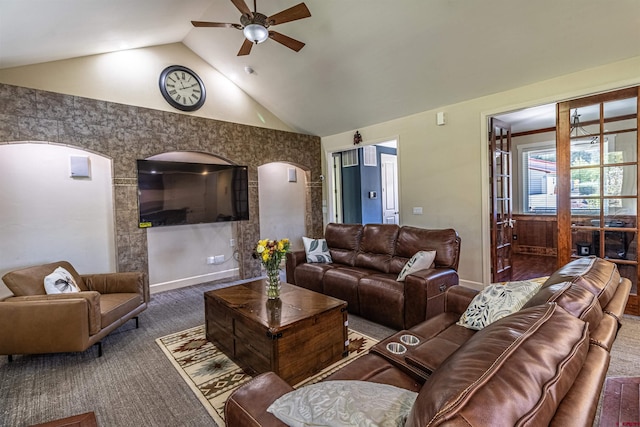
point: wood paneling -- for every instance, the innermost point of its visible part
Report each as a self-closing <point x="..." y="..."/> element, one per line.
<point x="536" y="235"/>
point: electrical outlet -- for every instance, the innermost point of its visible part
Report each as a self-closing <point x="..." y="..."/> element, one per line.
<point x="218" y="259"/>
<point x="232" y="242"/>
<point x="211" y="260"/>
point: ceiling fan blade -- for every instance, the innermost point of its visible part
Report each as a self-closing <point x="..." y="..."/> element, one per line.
<point x="215" y="24"/>
<point x="242" y="7"/>
<point x="296" y="12"/>
<point x="245" y="49"/>
<point x="286" y="40"/>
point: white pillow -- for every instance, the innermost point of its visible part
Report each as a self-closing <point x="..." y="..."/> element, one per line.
<point x="344" y="403"/>
<point x="497" y="301"/>
<point x="316" y="250"/>
<point x="419" y="261"/>
<point x="60" y="282"/>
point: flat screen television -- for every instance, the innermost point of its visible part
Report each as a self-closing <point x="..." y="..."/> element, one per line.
<point x="175" y="193"/>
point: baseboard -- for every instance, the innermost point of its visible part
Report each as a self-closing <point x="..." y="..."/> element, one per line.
<point x="195" y="280"/>
<point x="473" y="285"/>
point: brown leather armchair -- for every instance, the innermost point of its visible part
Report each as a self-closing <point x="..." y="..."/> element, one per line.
<point x="33" y="322"/>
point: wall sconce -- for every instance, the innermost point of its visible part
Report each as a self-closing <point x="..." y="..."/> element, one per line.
<point x="357" y="138"/>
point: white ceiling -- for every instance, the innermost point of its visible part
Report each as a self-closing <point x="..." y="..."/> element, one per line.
<point x="365" y="61"/>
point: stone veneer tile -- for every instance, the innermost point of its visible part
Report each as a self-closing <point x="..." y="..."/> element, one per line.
<point x="9" y="127"/>
<point x="120" y="116"/>
<point x="55" y="106"/>
<point x="18" y="101"/>
<point x="90" y="111"/>
<point x="34" y="129"/>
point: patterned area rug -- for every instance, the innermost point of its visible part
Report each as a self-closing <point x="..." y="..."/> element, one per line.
<point x="213" y="376"/>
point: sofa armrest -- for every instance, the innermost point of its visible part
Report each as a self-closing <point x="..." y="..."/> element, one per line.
<point x="116" y="283"/>
<point x="294" y="259"/>
<point x="247" y="405"/>
<point x="43" y="325"/>
<point x="458" y="298"/>
<point x="422" y="286"/>
<point x="92" y="299"/>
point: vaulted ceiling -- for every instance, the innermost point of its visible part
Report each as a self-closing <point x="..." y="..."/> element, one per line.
<point x="365" y="61"/>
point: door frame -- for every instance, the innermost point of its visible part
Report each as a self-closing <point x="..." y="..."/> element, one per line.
<point x="330" y="181"/>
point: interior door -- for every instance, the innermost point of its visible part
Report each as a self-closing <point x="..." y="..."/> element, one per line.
<point x="389" y="175"/>
<point x="598" y="182"/>
<point x="502" y="221"/>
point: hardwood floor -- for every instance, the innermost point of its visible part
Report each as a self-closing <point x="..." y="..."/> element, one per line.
<point x="532" y="266"/>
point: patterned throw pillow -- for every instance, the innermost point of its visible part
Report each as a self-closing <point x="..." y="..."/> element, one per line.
<point x="316" y="250"/>
<point x="497" y="301"/>
<point x="60" y="282"/>
<point x="419" y="261"/>
<point x="344" y="403"/>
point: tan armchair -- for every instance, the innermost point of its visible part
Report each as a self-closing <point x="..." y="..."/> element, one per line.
<point x="33" y="322"/>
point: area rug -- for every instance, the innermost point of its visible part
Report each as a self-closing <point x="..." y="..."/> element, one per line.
<point x="213" y="376"/>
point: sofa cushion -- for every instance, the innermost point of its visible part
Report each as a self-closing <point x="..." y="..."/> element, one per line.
<point x="60" y="282"/>
<point x="599" y="276"/>
<point x="377" y="246"/>
<point x="526" y="361"/>
<point x="420" y="261"/>
<point x="497" y="301"/>
<point x="342" y="282"/>
<point x="382" y="300"/>
<point x="344" y="403"/>
<point x="343" y="241"/>
<point x="410" y="240"/>
<point x="310" y="275"/>
<point x="30" y="280"/>
<point x="316" y="250"/>
<point x="115" y="306"/>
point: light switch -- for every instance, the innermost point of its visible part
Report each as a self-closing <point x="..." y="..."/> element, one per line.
<point x="417" y="210"/>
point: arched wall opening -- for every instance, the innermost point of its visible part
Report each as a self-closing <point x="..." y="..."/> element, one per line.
<point x="48" y="215"/>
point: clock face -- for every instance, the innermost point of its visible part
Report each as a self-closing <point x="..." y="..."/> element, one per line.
<point x="182" y="88"/>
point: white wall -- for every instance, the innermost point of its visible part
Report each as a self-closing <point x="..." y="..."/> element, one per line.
<point x="178" y="254"/>
<point x="282" y="203"/>
<point x="444" y="169"/>
<point x="47" y="216"/>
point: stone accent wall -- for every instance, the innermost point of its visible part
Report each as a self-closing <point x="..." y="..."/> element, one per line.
<point x="126" y="133"/>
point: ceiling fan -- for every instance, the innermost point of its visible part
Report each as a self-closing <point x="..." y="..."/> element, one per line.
<point x="255" y="25"/>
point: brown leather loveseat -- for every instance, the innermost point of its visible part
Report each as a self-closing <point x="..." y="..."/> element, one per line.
<point x="366" y="263"/>
<point x="542" y="365"/>
<point x="33" y="322"/>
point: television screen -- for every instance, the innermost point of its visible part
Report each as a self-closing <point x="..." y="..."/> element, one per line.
<point x="174" y="193"/>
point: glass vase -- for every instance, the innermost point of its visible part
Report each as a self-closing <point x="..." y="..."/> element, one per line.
<point x="273" y="283"/>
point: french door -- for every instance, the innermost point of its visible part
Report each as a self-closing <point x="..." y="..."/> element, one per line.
<point x="597" y="163"/>
<point x="501" y="201"/>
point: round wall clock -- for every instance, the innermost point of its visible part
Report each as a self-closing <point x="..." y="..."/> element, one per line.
<point x="182" y="88"/>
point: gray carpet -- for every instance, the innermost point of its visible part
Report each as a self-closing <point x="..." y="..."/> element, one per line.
<point x="133" y="383"/>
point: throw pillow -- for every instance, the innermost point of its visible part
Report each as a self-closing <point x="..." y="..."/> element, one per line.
<point x="497" y="301"/>
<point x="316" y="250"/>
<point x="60" y="282"/>
<point x="344" y="403"/>
<point x="420" y="261"/>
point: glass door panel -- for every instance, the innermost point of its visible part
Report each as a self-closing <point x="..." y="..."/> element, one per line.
<point x="598" y="139"/>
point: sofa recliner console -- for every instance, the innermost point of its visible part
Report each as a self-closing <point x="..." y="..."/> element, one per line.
<point x="366" y="263"/>
<point x="542" y="365"/>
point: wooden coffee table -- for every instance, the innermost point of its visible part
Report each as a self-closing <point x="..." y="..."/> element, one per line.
<point x="295" y="336"/>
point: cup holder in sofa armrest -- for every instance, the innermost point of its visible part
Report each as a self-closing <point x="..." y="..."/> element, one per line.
<point x="429" y="355"/>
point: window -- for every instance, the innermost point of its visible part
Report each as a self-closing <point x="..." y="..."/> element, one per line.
<point x="539" y="180"/>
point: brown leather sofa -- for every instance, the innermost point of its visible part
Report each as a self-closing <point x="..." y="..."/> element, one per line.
<point x="542" y="365"/>
<point x="366" y="263"/>
<point x="33" y="322"/>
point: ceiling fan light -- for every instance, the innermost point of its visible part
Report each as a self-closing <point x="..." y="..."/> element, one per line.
<point x="255" y="33"/>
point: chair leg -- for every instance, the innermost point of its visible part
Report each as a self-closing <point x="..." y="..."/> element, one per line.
<point x="137" y="323"/>
<point x="99" y="344"/>
<point x="10" y="357"/>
